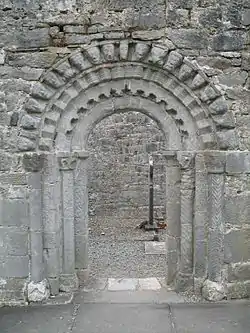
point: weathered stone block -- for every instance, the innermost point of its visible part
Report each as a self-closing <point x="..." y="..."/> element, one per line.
<point x="183" y="282"/>
<point x="213" y="291"/>
<point x="239" y="272"/>
<point x="187" y="4"/>
<point x="228" y="139"/>
<point x="237" y="162"/>
<point x="188" y="38"/>
<point x="200" y="258"/>
<point x="15" y="213"/>
<point x="237" y="244"/>
<point x="25" y="144"/>
<point x="12" y="284"/>
<point x="117" y="5"/>
<point x="16" y="178"/>
<point x="5" y="161"/>
<point x="237" y="209"/>
<point x="75" y="29"/>
<point x="148" y="35"/>
<point x="2" y="57"/>
<point x="68" y="282"/>
<point x="229" y="41"/>
<point x="147" y="20"/>
<point x="246" y="17"/>
<point x="31" y="39"/>
<point x="211" y="17"/>
<point x="178" y="18"/>
<point x="29" y="122"/>
<point x="33" y="162"/>
<point x="14" y="119"/>
<point x="32" y="59"/>
<point x="17" y="243"/>
<point x="54" y="286"/>
<point x="236" y="78"/>
<point x="38" y="292"/>
<point x="238" y="290"/>
<point x="245" y="61"/>
<point x="13" y="297"/>
<point x="78" y="39"/>
<point x="26" y="73"/>
<point x="52" y="262"/>
<point x="14" y="266"/>
<point x="122" y="284"/>
<point x="215" y="161"/>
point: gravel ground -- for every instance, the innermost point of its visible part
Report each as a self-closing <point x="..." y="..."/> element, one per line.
<point x="117" y="249"/>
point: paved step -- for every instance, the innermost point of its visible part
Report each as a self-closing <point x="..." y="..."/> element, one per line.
<point x="125" y="284"/>
<point x="128" y="290"/>
<point x="131" y="297"/>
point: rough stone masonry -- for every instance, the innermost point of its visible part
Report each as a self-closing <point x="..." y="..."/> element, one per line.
<point x="69" y="66"/>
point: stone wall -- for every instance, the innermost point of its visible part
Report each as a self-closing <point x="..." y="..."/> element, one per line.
<point x="120" y="147"/>
<point x="35" y="36"/>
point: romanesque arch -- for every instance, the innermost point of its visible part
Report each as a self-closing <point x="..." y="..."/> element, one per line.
<point x="147" y="69"/>
<point x="93" y="83"/>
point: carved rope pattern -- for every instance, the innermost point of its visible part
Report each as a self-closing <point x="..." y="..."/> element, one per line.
<point x="215" y="255"/>
<point x="187" y="199"/>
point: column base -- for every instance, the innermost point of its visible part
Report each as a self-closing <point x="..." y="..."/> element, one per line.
<point x="184" y="282"/>
<point x="83" y="275"/>
<point x="68" y="282"/>
<point x="38" y="291"/>
<point x="213" y="291"/>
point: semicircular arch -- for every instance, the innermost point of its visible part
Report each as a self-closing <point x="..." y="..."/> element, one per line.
<point x="152" y="64"/>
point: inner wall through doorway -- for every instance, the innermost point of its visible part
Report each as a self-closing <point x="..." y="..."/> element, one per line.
<point x="119" y="148"/>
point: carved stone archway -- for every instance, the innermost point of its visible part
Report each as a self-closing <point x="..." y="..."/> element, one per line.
<point x="93" y="83"/>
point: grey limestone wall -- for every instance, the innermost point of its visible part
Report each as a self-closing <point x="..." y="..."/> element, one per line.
<point x="36" y="35"/>
<point x="120" y="147"/>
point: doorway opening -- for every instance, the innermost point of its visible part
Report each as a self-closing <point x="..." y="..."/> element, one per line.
<point x="118" y="190"/>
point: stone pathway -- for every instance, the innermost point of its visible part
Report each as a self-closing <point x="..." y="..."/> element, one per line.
<point x="131" y="255"/>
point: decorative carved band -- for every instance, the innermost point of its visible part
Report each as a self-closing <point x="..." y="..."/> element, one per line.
<point x="68" y="160"/>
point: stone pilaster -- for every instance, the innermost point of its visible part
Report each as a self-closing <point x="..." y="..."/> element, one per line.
<point x="33" y="164"/>
<point x="52" y="221"/>
<point x="81" y="215"/>
<point x="67" y="165"/>
<point x="186" y="160"/>
<point x="172" y="214"/>
<point x="201" y="218"/>
<point x="215" y="164"/>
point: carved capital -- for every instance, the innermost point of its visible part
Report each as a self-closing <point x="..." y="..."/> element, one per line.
<point x="67" y="163"/>
<point x="171" y="158"/>
<point x="186" y="159"/>
<point x="68" y="160"/>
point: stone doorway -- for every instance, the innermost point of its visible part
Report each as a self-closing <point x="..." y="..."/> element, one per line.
<point x="119" y="148"/>
<point x="116" y="77"/>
